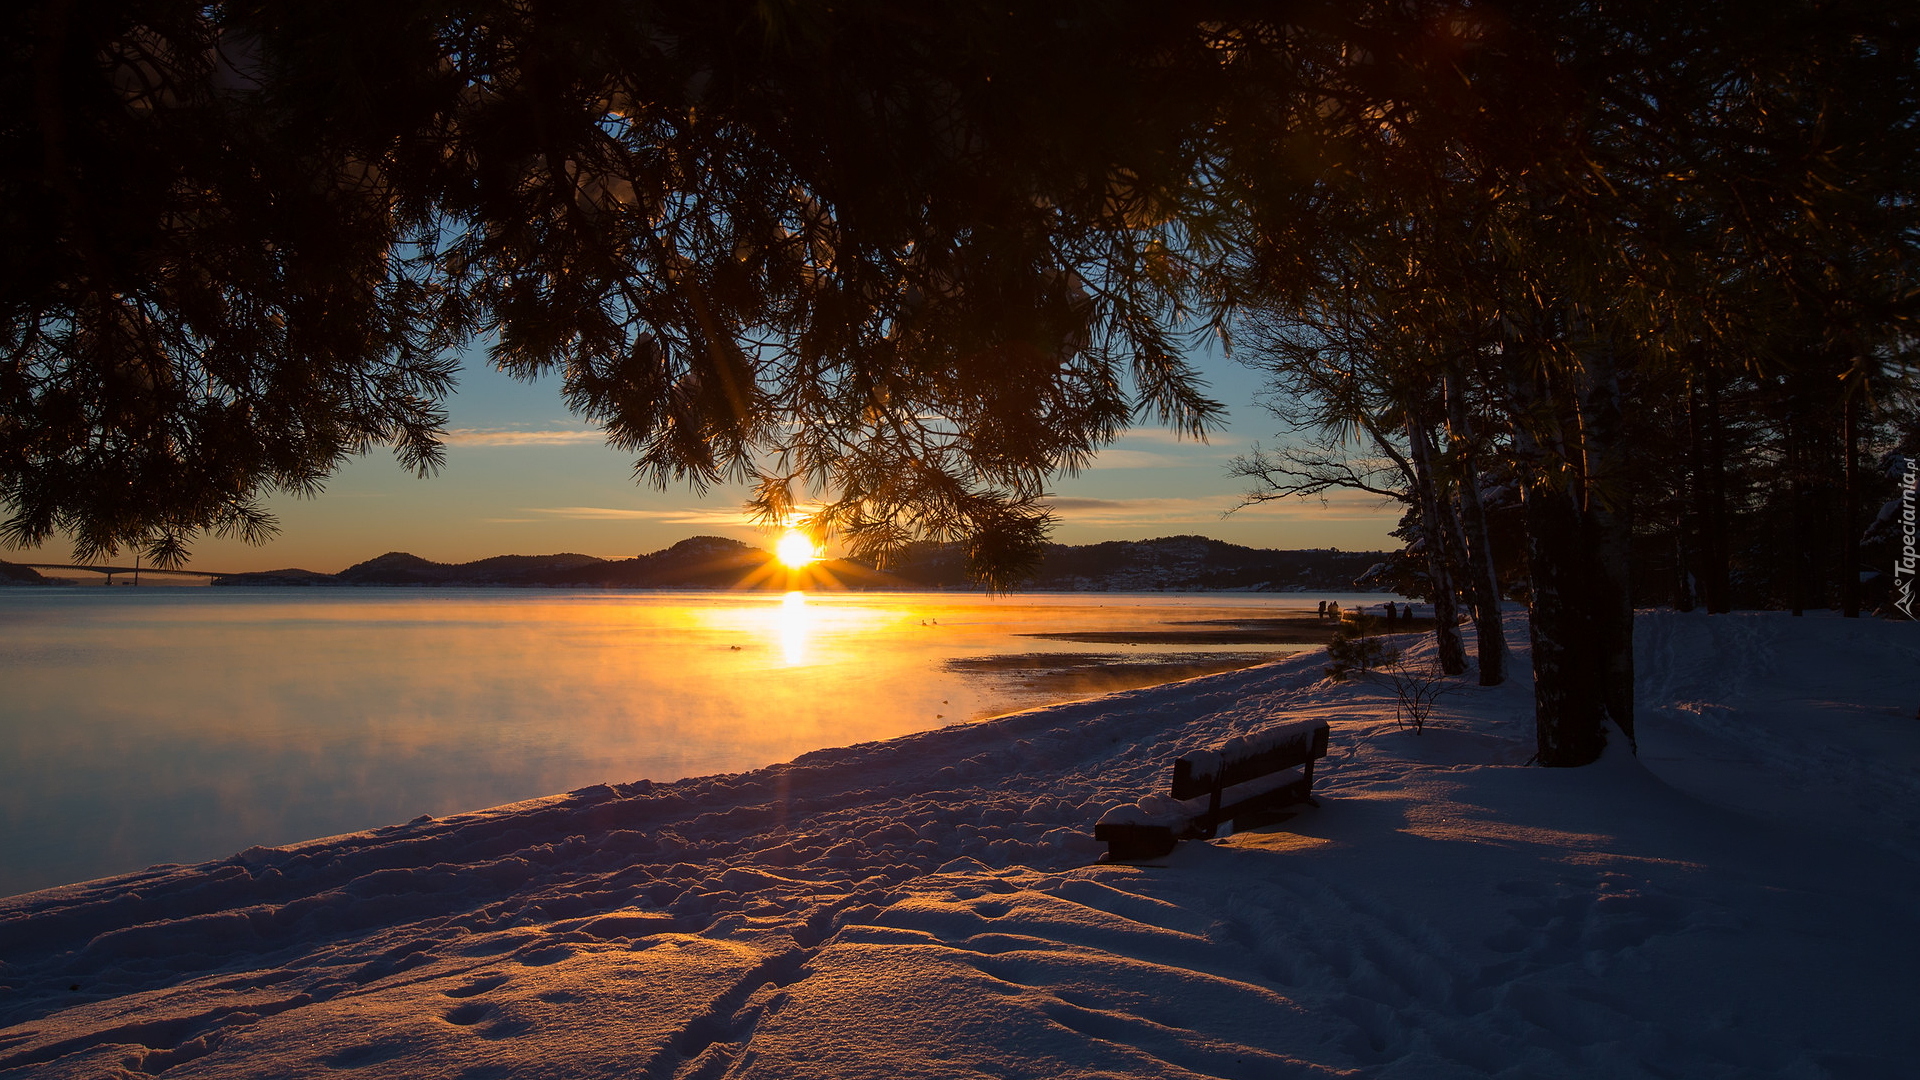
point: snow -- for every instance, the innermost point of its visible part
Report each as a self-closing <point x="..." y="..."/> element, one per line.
<point x="1204" y="765"/>
<point x="1735" y="901"/>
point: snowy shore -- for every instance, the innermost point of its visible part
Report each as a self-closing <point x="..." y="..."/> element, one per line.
<point x="1736" y="901"/>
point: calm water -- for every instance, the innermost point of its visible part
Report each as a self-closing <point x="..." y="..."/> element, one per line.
<point x="140" y="726"/>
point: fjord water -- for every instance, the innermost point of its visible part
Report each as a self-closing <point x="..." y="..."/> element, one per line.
<point x="140" y="726"/>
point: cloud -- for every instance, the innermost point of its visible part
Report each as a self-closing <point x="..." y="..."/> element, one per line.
<point x="1162" y="435"/>
<point x="1160" y="448"/>
<point x="680" y="516"/>
<point x="1148" y="459"/>
<point x="494" y="437"/>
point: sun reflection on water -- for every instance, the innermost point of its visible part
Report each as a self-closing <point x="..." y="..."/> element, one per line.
<point x="183" y="724"/>
<point x="796" y="620"/>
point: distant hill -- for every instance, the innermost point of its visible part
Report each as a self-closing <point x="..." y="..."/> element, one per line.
<point x="400" y="568"/>
<point x="1170" y="564"/>
<point x="700" y="562"/>
<point x="715" y="562"/>
<point x="15" y="574"/>
<point x="278" y="577"/>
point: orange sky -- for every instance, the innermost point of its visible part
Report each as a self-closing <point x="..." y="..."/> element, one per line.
<point x="525" y="477"/>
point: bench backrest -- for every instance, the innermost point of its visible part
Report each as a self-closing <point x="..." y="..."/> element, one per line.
<point x="1249" y="757"/>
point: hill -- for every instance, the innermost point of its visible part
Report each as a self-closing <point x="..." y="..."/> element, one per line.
<point x="15" y="574"/>
<point x="1166" y="564"/>
<point x="400" y="568"/>
<point x="715" y="562"/>
<point x="700" y="562"/>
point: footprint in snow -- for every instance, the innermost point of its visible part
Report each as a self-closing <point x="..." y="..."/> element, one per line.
<point x="478" y="985"/>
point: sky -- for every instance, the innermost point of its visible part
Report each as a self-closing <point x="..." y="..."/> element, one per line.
<point x="525" y="477"/>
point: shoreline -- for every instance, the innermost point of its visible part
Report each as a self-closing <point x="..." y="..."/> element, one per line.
<point x="931" y="905"/>
<point x="486" y="698"/>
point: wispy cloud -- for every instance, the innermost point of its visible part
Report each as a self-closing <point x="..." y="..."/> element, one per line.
<point x="681" y="516"/>
<point x="502" y="437"/>
<point x="1153" y="459"/>
<point x="1161" y="435"/>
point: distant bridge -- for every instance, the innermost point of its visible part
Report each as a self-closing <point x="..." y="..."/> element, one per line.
<point x="136" y="571"/>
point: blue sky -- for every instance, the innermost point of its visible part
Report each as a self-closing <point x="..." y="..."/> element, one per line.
<point x="523" y="476"/>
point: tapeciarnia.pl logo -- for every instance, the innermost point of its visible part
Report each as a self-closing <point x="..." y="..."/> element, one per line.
<point x="1903" y="564"/>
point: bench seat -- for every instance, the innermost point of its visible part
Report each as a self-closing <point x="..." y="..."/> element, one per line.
<point x="1256" y="764"/>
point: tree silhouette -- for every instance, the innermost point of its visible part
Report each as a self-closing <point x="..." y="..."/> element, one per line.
<point x="904" y="263"/>
<point x="893" y="267"/>
<point x="1582" y="215"/>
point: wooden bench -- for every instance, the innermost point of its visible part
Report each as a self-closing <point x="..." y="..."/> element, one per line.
<point x="1295" y="745"/>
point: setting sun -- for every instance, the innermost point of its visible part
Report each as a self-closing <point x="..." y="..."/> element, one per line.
<point x="796" y="550"/>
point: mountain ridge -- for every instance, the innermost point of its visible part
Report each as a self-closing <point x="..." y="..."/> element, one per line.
<point x="1185" y="563"/>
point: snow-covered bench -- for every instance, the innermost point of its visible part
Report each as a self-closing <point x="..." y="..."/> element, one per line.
<point x="1245" y="781"/>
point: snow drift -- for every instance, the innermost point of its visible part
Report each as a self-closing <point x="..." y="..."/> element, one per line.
<point x="1735" y="901"/>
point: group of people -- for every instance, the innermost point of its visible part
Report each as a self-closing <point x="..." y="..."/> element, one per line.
<point x="1330" y="612"/>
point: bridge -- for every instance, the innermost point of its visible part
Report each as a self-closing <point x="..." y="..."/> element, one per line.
<point x="136" y="570"/>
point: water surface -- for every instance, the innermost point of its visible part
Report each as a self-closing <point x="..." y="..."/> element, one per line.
<point x="177" y="725"/>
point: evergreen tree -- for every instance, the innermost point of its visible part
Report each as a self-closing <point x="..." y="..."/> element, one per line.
<point x="907" y="266"/>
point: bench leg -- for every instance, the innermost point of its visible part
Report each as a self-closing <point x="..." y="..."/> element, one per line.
<point x="1210" y="825"/>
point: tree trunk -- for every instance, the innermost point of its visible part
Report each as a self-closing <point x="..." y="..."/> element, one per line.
<point x="1798" y="569"/>
<point x="1850" y="511"/>
<point x="1568" y="710"/>
<point x="1581" y="610"/>
<point x="1446" y="614"/>
<point x="1710" y="493"/>
<point x="1607" y="506"/>
<point x="1611" y="535"/>
<point x="1483" y="580"/>
<point x="1685" y="584"/>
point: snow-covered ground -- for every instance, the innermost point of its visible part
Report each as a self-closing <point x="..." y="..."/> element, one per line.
<point x="1738" y="901"/>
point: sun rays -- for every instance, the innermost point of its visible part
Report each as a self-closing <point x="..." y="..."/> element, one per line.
<point x="797" y="563"/>
<point x="796" y="550"/>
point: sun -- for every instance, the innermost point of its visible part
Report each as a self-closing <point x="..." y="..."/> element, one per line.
<point x="795" y="550"/>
